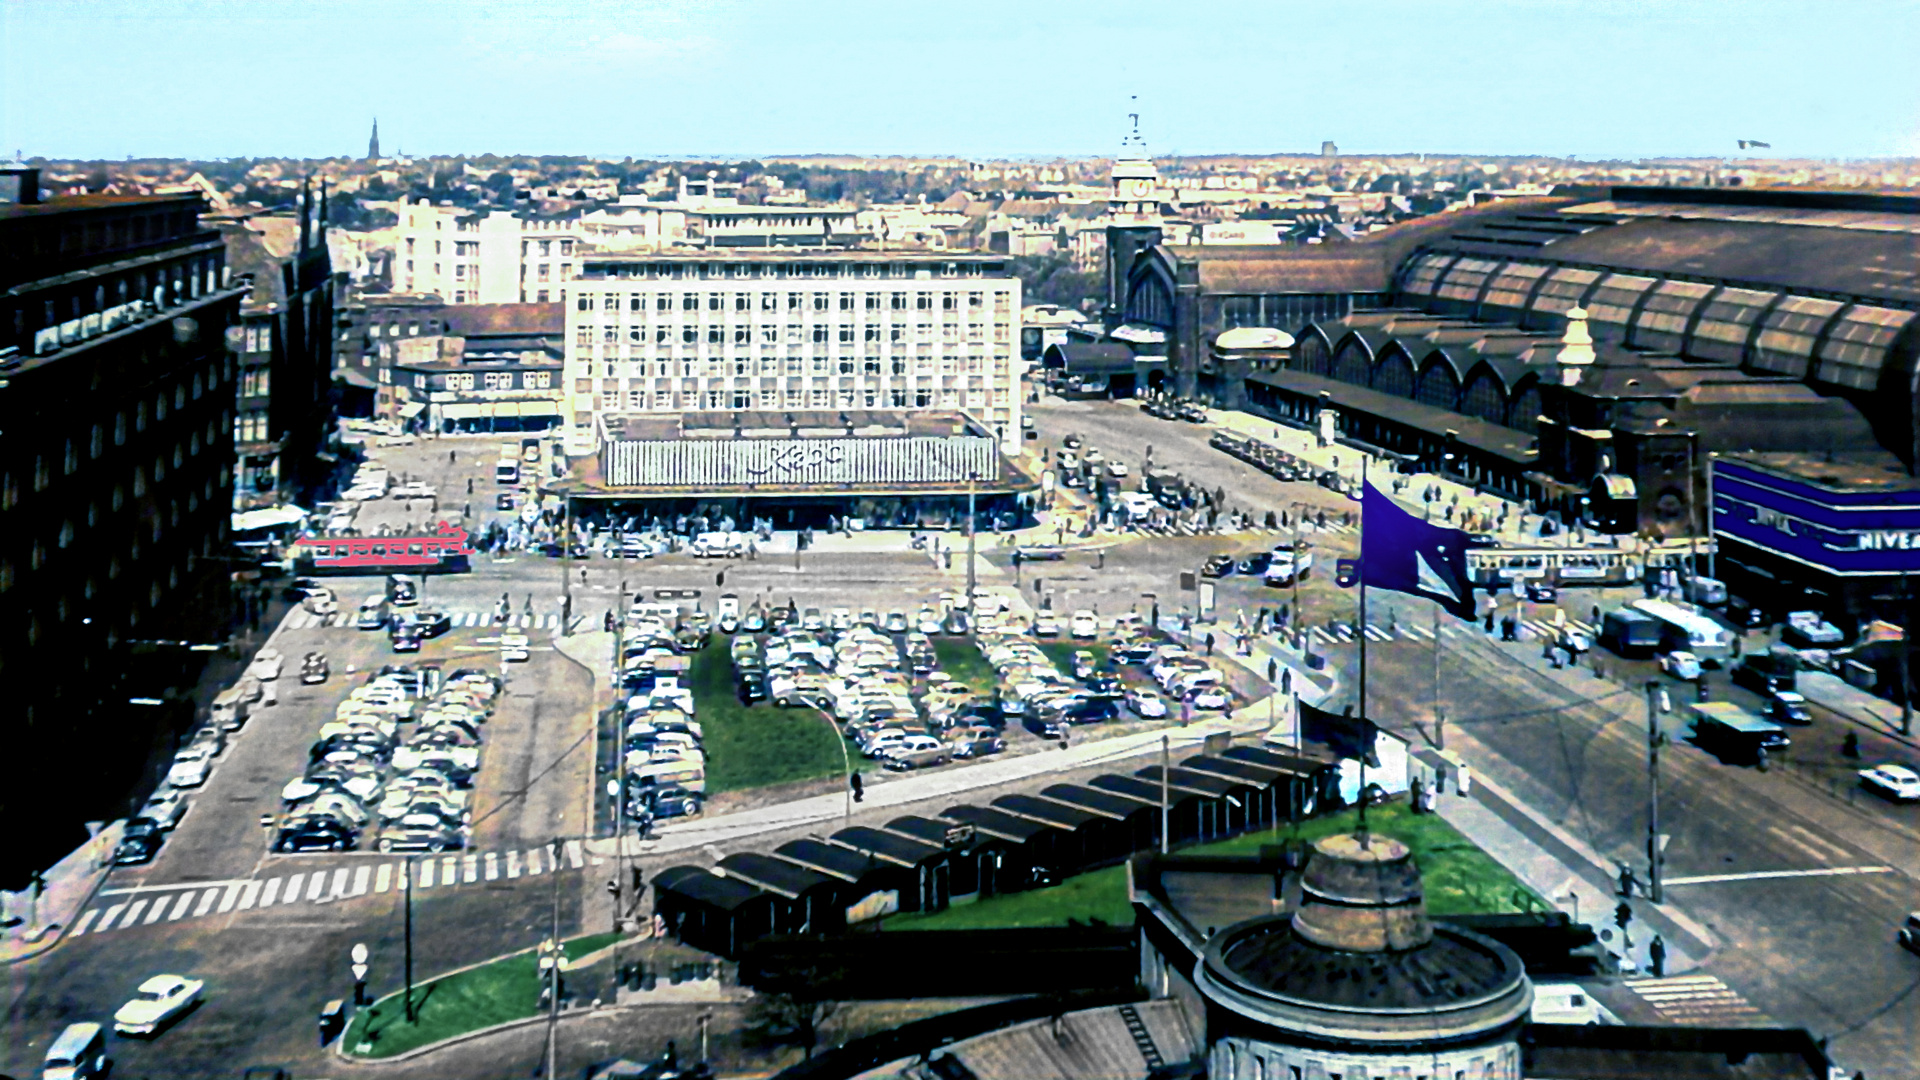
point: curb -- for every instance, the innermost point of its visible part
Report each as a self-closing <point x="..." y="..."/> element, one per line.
<point x="1874" y="725"/>
<point x="337" y="1047"/>
<point x="46" y="944"/>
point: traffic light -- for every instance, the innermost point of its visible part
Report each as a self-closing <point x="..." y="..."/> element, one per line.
<point x="1622" y="915"/>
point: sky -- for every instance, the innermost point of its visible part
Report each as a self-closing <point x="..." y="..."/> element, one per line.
<point x="980" y="79"/>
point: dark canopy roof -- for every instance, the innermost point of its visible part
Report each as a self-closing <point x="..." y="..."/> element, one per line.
<point x="703" y="885"/>
<point x="1104" y="803"/>
<point x="1088" y="357"/>
<point x="891" y="846"/>
<point x="997" y="823"/>
<point x="1195" y="783"/>
<point x="1249" y="773"/>
<point x="845" y="864"/>
<point x="1135" y="788"/>
<point x="1052" y="813"/>
<point x="774" y="875"/>
<point x="925" y="829"/>
<point x="1261" y="755"/>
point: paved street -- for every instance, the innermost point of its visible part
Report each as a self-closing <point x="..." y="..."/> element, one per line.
<point x="1564" y="750"/>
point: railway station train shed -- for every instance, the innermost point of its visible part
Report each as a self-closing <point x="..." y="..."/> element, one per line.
<point x="1595" y="352"/>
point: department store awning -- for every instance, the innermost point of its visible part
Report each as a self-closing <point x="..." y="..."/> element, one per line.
<point x="269" y="518"/>
<point x="412" y="409"/>
<point x="487" y="410"/>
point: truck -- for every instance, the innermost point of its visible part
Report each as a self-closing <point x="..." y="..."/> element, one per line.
<point x="1630" y="633"/>
<point x="1734" y="734"/>
<point x="1764" y="673"/>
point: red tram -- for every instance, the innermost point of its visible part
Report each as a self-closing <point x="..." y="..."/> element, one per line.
<point x="444" y="549"/>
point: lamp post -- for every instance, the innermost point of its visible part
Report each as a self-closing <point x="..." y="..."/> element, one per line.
<point x="846" y="760"/>
<point x="407" y="963"/>
<point x="1656" y="700"/>
<point x="358" y="956"/>
<point x="972" y="477"/>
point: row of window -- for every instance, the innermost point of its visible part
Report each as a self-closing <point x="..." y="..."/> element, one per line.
<point x="792" y="334"/>
<point x="612" y="386"/>
<point x="161" y="286"/>
<point x="705" y="270"/>
<point x="713" y="366"/>
<point x="489" y="380"/>
<point x="793" y="301"/>
<point x="815" y="398"/>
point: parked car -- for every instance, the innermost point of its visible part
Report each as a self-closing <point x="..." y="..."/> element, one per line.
<point x="1909" y="934"/>
<point x="662" y="801"/>
<point x="1045" y="625"/>
<point x="1217" y="566"/>
<point x="314" y="669"/>
<point x="1788" y="707"/>
<point x="164" y="809"/>
<point x="1084" y="626"/>
<point x="515" y="648"/>
<point x="917" y="752"/>
<point x="420" y="832"/>
<point x="975" y="741"/>
<point x="139" y="843"/>
<point x="1146" y="704"/>
<point x="1209" y="696"/>
<point x="191" y="767"/>
<point x="1893" y="782"/>
<point x="267" y="664"/>
<point x="314" y="834"/>
<point x="79" y="1052"/>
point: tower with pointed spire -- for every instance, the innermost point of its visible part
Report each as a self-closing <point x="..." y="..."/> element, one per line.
<point x="373" y="144"/>
<point x="1133" y="211"/>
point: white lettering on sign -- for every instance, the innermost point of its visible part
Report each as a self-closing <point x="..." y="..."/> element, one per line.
<point x="1888" y="540"/>
<point x="797" y="456"/>
<point x="1772" y="519"/>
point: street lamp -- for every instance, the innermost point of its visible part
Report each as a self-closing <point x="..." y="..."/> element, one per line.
<point x="358" y="956"/>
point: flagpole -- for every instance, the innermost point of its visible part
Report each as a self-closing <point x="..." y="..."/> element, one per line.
<point x="1360" y="830"/>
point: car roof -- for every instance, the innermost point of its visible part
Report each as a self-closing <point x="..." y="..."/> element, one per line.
<point x="74" y="1039"/>
<point x="161" y="984"/>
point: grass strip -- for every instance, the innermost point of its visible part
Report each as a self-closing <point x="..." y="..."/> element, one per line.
<point x="494" y="993"/>
<point x="754" y="746"/>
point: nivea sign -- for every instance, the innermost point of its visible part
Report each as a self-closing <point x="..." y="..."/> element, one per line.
<point x="1844" y="532"/>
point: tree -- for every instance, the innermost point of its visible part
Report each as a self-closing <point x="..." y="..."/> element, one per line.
<point x="790" y="1017"/>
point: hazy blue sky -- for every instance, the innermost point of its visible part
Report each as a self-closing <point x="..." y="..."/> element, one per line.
<point x="981" y="78"/>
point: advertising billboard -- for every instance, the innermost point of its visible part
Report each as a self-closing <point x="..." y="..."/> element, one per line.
<point x="1846" y="533"/>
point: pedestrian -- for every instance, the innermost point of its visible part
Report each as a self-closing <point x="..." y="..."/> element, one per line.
<point x="451" y="455"/>
<point x="1209" y="643"/>
<point x="1850" y="745"/>
<point x="1657" y="957"/>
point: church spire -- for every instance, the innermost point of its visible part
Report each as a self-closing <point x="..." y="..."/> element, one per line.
<point x="373" y="144"/>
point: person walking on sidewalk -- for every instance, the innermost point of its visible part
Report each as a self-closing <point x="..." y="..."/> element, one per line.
<point x="1657" y="957"/>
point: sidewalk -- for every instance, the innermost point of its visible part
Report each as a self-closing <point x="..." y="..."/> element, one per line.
<point x="70" y="883"/>
<point x="1875" y="713"/>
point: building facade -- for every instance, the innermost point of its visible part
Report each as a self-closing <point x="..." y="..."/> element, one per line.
<point x="494" y="257"/>
<point x="496" y="368"/>
<point x="116" y="463"/>
<point x="773" y="333"/>
<point x="285" y="344"/>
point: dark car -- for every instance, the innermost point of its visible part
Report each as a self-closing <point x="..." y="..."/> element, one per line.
<point x="1045" y="727"/>
<point x="661" y="801"/>
<point x="1091" y="711"/>
<point x="427" y="624"/>
<point x="1256" y="563"/>
<point x="298" y="588"/>
<point x="752" y="688"/>
<point x="984" y="715"/>
<point x="405" y="639"/>
<point x="1482" y="540"/>
<point x="978" y="746"/>
<point x="1541" y="592"/>
<point x="1218" y="566"/>
<point x="1133" y="652"/>
<point x="315" y="834"/>
<point x="140" y="843"/>
<point x="503" y="501"/>
<point x="1105" y="685"/>
<point x="956" y="622"/>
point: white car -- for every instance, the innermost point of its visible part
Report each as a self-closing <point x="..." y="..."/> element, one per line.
<point x="267" y="664"/>
<point x="1084" y="625"/>
<point x="1209" y="696"/>
<point x="1045" y="625"/>
<point x="1680" y="664"/>
<point x="1896" y="783"/>
<point x="158" y="1000"/>
<point x="1146" y="704"/>
<point x="515" y="648"/>
<point x="191" y="767"/>
<point x="165" y="808"/>
<point x="717" y="546"/>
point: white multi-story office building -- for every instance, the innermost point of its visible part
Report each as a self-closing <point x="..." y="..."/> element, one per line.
<point x="792" y="331"/>
<point x="497" y="257"/>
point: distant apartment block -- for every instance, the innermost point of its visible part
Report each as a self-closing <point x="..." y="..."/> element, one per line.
<point x="494" y="257"/>
<point x="764" y="331"/>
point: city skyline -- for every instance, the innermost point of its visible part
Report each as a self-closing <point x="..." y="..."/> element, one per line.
<point x="639" y="80"/>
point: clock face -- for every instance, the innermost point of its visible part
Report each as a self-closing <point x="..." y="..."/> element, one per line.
<point x="1136" y="189"/>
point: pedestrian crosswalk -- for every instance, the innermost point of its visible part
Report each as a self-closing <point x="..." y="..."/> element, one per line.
<point x="146" y="905"/>
<point x="1546" y="629"/>
<point x="1343" y="633"/>
<point x="307" y="620"/>
<point x="1698" y="1000"/>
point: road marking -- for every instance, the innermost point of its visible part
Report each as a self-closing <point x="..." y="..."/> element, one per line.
<point x="132" y="889"/>
<point x="1695" y="999"/>
<point x="207" y="901"/>
<point x="1417" y="631"/>
<point x="513" y="864"/>
<point x="470" y="867"/>
<point x="233" y="894"/>
<point x="535" y="865"/>
<point x="293" y="889"/>
<point x="576" y="854"/>
<point x="1835" y="851"/>
<point x="493" y="866"/>
<point x="180" y="908"/>
<point x="1378" y="634"/>
<point x="1759" y="875"/>
<point x="155" y="913"/>
<point x="316" y="884"/>
<point x="85" y="921"/>
<point x="340" y="882"/>
<point x="266" y="895"/>
<point x="383" y="878"/>
<point x="449" y="872"/>
<point x="360" y="876"/>
<point x="112" y="913"/>
<point x="426" y="874"/>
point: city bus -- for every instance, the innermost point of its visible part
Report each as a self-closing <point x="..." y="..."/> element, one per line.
<point x="443" y="549"/>
<point x="1682" y="628"/>
<point x="1497" y="567"/>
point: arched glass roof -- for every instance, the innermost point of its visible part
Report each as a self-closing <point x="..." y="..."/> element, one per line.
<point x="1787" y="334"/>
<point x="1663" y="319"/>
<point x="1857" y="346"/>
<point x="1511" y="285"/>
<point x="1560" y="293"/>
<point x="1463" y="281"/>
<point x="1726" y="322"/>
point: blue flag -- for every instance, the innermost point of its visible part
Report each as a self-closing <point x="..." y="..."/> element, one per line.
<point x="1398" y="551"/>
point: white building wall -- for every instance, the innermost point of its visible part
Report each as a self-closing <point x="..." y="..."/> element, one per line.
<point x="846" y="342"/>
<point x="493" y="258"/>
<point x="1237" y="1058"/>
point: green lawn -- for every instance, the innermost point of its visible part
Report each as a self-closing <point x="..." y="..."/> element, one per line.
<point x="505" y="990"/>
<point x="1061" y="653"/>
<point x="753" y="747"/>
<point x="963" y="662"/>
<point x="1460" y="879"/>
